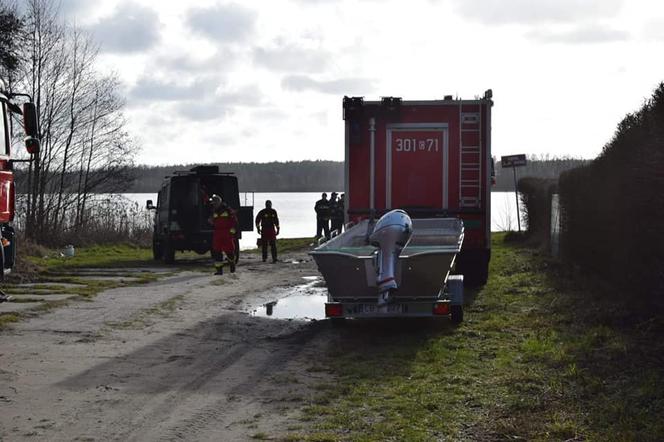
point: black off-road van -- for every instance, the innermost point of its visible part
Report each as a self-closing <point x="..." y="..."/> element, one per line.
<point x="183" y="208"/>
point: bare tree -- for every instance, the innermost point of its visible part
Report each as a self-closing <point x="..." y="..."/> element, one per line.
<point x="85" y="147"/>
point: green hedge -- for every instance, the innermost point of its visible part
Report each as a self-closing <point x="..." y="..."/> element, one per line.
<point x="536" y="207"/>
<point x="613" y="209"/>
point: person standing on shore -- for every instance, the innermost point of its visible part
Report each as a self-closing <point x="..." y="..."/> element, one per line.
<point x="267" y="225"/>
<point x="322" y="209"/>
<point x="336" y="213"/>
<point x="225" y="224"/>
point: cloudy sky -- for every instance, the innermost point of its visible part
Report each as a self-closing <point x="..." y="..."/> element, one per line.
<point x="263" y="80"/>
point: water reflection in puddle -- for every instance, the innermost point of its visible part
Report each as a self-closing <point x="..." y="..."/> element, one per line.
<point x="304" y="302"/>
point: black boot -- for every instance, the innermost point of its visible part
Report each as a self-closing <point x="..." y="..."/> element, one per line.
<point x="220" y="271"/>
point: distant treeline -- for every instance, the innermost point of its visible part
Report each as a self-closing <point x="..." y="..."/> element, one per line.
<point x="320" y="176"/>
<point x="542" y="166"/>
<point x="291" y="176"/>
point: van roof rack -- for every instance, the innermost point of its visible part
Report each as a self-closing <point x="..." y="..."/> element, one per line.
<point x="202" y="170"/>
<point x="205" y="169"/>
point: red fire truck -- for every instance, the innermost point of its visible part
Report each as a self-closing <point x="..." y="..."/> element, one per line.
<point x="7" y="193"/>
<point x="431" y="158"/>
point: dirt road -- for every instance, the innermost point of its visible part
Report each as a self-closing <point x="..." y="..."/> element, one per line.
<point x="175" y="359"/>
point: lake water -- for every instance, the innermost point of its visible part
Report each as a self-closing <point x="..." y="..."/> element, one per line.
<point x="297" y="220"/>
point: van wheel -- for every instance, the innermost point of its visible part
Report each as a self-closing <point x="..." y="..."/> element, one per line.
<point x="168" y="253"/>
<point x="456" y="314"/>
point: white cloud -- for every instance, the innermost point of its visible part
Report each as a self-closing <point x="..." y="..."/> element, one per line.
<point x="223" y="60"/>
<point x="200" y="102"/>
<point x="654" y="29"/>
<point x="591" y="34"/>
<point x="340" y="86"/>
<point x="497" y="12"/>
<point x="153" y="89"/>
<point x="131" y="28"/>
<point x="290" y="58"/>
<point x="223" y="23"/>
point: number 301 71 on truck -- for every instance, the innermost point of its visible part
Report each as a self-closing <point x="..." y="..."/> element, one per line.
<point x="431" y="158"/>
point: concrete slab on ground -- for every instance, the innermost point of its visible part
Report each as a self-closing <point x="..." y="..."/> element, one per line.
<point x="51" y="285"/>
<point x="121" y="270"/>
<point x="110" y="278"/>
<point x="17" y="307"/>
<point x="39" y="298"/>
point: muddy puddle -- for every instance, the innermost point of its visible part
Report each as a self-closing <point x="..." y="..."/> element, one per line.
<point x="305" y="302"/>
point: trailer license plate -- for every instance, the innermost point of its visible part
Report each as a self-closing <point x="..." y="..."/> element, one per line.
<point x="368" y="309"/>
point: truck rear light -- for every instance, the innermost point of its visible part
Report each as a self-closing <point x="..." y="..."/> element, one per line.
<point x="333" y="310"/>
<point x="441" y="308"/>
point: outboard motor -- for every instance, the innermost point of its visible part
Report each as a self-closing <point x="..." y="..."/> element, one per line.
<point x="390" y="235"/>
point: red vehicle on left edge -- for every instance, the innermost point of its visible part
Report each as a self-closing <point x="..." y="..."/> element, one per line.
<point x="7" y="192"/>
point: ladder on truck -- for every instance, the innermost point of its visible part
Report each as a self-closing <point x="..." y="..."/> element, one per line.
<point x="470" y="163"/>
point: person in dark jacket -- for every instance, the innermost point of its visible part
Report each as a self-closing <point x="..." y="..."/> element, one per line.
<point x="322" y="209"/>
<point x="336" y="213"/>
<point x="267" y="225"/>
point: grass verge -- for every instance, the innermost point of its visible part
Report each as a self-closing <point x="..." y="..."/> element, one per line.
<point x="542" y="355"/>
<point x="101" y="256"/>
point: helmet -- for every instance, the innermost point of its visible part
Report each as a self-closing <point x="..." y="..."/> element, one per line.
<point x="215" y="199"/>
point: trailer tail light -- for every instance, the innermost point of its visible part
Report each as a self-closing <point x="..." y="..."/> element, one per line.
<point x="441" y="308"/>
<point x="333" y="310"/>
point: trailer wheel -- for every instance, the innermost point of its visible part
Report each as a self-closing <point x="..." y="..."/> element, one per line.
<point x="168" y="252"/>
<point x="456" y="314"/>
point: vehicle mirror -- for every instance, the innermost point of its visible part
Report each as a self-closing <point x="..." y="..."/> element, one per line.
<point x="150" y="206"/>
<point x="31" y="126"/>
<point x="30" y="119"/>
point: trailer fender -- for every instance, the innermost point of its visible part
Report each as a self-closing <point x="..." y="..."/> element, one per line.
<point x="455" y="289"/>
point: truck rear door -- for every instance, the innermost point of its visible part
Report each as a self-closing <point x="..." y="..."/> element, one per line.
<point x="417" y="165"/>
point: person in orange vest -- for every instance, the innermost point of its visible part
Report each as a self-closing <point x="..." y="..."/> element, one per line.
<point x="225" y="224"/>
<point x="267" y="225"/>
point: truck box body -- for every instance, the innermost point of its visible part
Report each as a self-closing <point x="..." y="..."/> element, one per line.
<point x="430" y="158"/>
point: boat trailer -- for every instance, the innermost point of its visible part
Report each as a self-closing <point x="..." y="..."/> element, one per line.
<point x="395" y="267"/>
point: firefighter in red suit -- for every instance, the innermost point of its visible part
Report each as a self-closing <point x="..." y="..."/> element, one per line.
<point x="267" y="224"/>
<point x="224" y="231"/>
